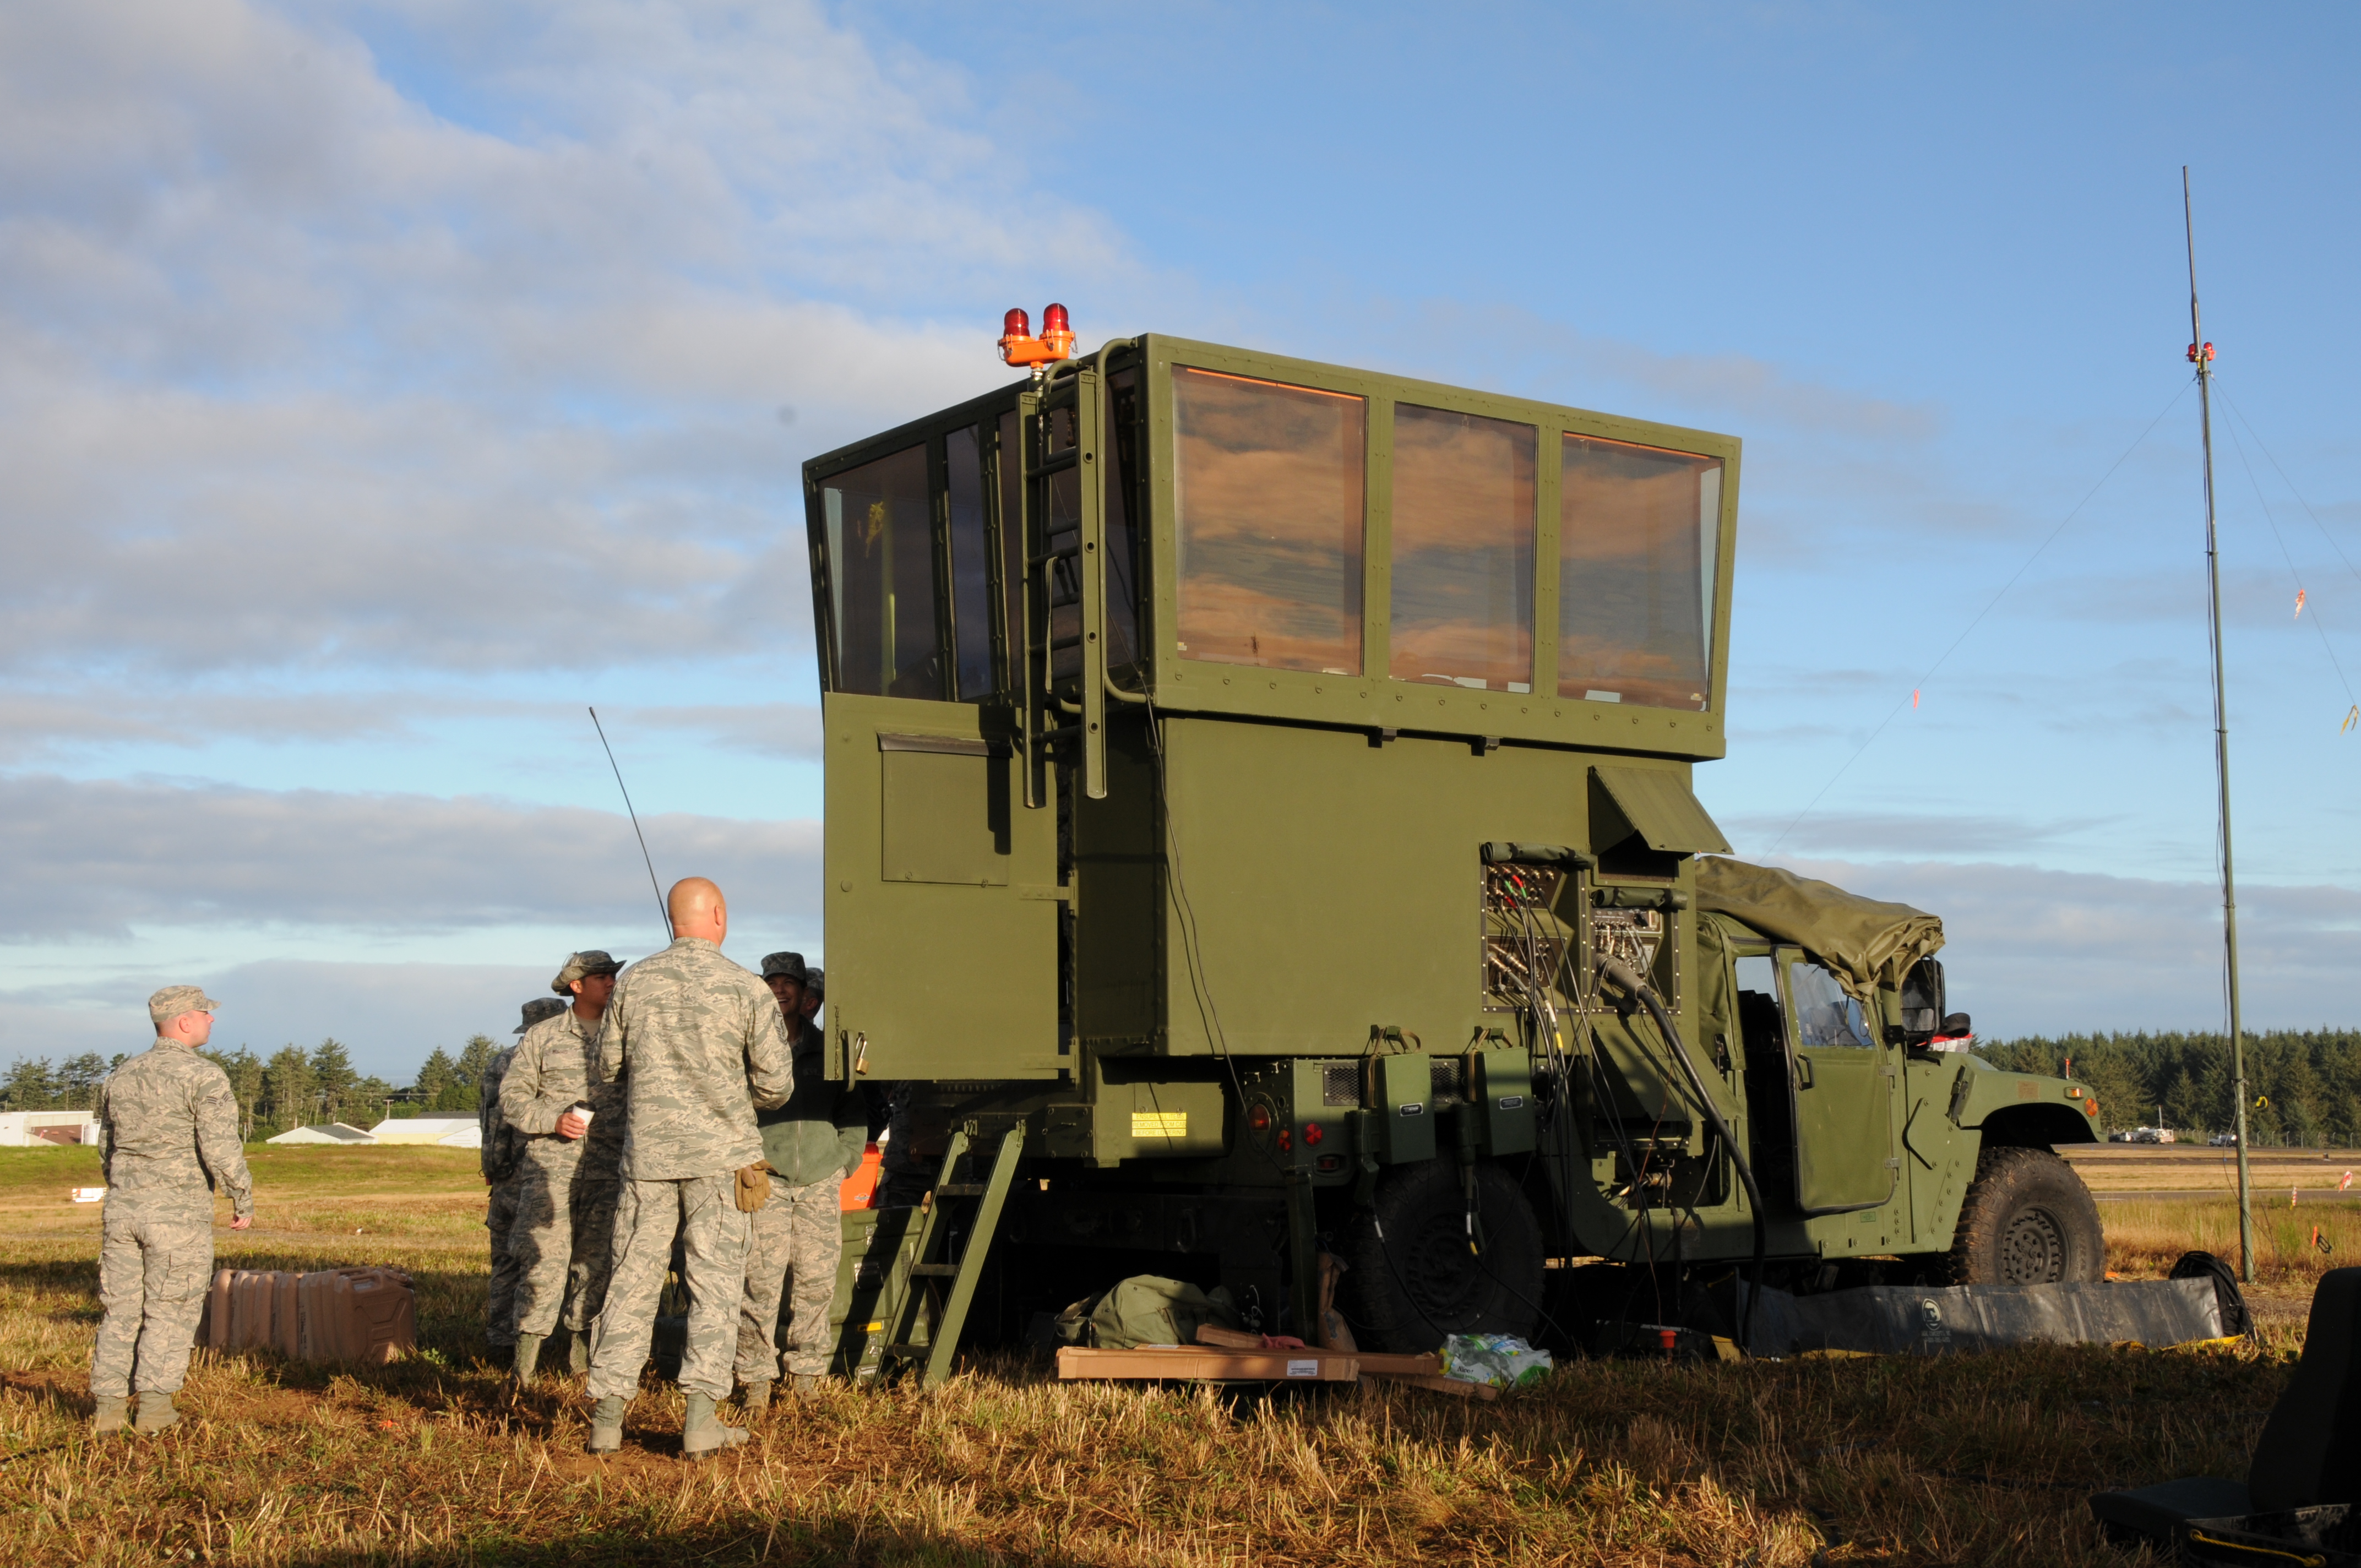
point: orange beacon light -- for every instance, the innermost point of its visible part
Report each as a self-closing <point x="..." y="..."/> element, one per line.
<point x="1019" y="346"/>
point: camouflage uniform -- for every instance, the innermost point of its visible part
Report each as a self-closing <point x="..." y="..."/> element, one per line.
<point x="168" y="1137"/>
<point x="556" y="1070"/>
<point x="812" y="1143"/>
<point x="499" y="1157"/>
<point x="699" y="1044"/>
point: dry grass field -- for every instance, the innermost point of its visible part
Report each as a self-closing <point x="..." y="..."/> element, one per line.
<point x="1968" y="1459"/>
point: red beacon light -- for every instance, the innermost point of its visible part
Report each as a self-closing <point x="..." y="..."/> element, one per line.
<point x="1019" y="346"/>
<point x="2200" y="351"/>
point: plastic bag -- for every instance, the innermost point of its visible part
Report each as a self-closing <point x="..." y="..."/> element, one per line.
<point x="1504" y="1361"/>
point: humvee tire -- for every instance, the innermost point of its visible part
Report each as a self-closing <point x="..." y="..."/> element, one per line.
<point x="2027" y="1220"/>
<point x="1421" y="1283"/>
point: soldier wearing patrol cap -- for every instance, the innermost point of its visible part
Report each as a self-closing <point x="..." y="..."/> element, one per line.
<point x="572" y="1130"/>
<point x="812" y="1143"/>
<point x="500" y="1154"/>
<point x="168" y="1137"/>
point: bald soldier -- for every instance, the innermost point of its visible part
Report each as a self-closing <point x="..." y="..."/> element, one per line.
<point x="167" y="1138"/>
<point x="500" y="1153"/>
<point x="555" y="1100"/>
<point x="810" y="1144"/>
<point x="699" y="1044"/>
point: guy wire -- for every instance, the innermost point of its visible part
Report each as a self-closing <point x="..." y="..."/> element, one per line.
<point x="663" y="913"/>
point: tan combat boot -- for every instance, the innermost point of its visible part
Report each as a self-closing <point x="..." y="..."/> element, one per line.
<point x="804" y="1387"/>
<point x="114" y="1414"/>
<point x="756" y="1399"/>
<point x="702" y="1435"/>
<point x="528" y="1357"/>
<point x="607" y="1426"/>
<point x="156" y="1413"/>
<point x="578" y="1351"/>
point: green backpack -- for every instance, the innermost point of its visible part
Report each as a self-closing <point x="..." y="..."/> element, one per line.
<point x="1146" y="1310"/>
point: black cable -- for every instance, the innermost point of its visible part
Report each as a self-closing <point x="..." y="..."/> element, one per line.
<point x="1622" y="975"/>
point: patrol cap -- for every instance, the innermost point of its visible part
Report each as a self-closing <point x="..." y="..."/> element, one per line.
<point x="537" y="1009"/>
<point x="789" y="964"/>
<point x="174" y="999"/>
<point x="582" y="966"/>
<point x="816" y="981"/>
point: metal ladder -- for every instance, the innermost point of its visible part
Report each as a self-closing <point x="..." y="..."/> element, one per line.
<point x="935" y="1284"/>
<point x="1063" y="570"/>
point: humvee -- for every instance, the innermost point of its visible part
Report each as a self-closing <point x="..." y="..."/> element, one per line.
<point x="1258" y="824"/>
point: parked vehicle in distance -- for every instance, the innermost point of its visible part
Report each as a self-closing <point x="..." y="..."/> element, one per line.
<point x="2223" y="1140"/>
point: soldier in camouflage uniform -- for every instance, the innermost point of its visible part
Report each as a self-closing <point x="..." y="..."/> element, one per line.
<point x="168" y="1137"/>
<point x="811" y="1143"/>
<point x="700" y="1046"/>
<point x="499" y="1157"/>
<point x="554" y="1098"/>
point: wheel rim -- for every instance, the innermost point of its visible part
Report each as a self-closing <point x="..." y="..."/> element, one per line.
<point x="2032" y="1249"/>
<point x="1440" y="1276"/>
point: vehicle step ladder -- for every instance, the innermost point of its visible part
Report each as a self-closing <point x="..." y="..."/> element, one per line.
<point x="961" y="1215"/>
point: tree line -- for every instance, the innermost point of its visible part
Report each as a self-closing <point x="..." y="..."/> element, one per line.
<point x="2304" y="1088"/>
<point x="291" y="1088"/>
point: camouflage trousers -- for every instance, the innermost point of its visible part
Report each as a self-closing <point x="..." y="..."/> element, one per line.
<point x="798" y="1237"/>
<point x="500" y="1302"/>
<point x="702" y="1210"/>
<point x="594" y="1249"/>
<point x="153" y="1269"/>
<point x="542" y="1236"/>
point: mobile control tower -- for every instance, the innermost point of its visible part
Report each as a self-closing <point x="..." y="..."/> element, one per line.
<point x="1259" y="824"/>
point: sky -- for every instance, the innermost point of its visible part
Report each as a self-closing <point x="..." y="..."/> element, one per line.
<point x="383" y="385"/>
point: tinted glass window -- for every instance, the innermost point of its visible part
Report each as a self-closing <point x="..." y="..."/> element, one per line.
<point x="971" y="571"/>
<point x="1825" y="1015"/>
<point x="1463" y="550"/>
<point x="1638" y="528"/>
<point x="1269" y="479"/>
<point x="881" y="578"/>
<point x="1123" y="542"/>
<point x="1011" y="464"/>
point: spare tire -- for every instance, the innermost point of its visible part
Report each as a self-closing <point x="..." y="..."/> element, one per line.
<point x="1411" y="1277"/>
<point x="2027" y="1220"/>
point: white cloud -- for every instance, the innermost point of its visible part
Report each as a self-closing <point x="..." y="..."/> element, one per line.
<point x="101" y="858"/>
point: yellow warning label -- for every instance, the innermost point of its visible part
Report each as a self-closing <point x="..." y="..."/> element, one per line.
<point x="1160" y="1123"/>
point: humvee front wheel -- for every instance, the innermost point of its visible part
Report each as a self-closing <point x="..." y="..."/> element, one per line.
<point x="2027" y="1220"/>
<point x="1411" y="1277"/>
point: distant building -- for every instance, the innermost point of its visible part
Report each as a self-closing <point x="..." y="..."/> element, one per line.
<point x="20" y="1129"/>
<point x="447" y="1132"/>
<point x="326" y="1132"/>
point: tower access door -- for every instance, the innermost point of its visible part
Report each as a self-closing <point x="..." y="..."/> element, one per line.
<point x="941" y="892"/>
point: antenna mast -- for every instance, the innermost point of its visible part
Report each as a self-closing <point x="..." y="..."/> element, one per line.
<point x="2201" y="354"/>
<point x="663" y="912"/>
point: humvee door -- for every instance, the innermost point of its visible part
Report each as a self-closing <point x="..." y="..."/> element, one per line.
<point x="1821" y="1084"/>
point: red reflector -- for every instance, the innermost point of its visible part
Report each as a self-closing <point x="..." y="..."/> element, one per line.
<point x="1286" y="1139"/>
<point x="1312" y="1134"/>
<point x="1258" y="1118"/>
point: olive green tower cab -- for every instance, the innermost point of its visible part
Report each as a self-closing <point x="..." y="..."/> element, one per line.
<point x="1259" y="806"/>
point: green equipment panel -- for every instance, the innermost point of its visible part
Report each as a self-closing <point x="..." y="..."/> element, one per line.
<point x="941" y="893"/>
